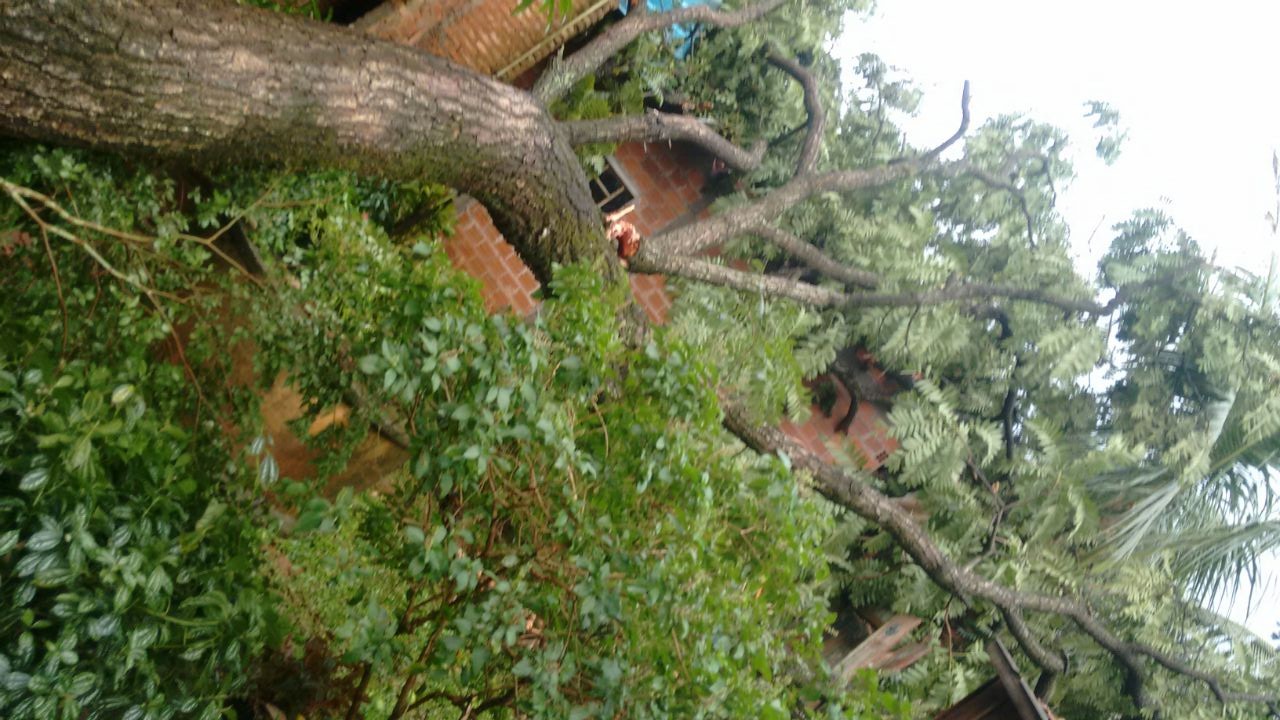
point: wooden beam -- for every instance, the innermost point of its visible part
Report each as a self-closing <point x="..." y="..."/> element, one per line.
<point x="877" y="648"/>
<point x="1020" y="695"/>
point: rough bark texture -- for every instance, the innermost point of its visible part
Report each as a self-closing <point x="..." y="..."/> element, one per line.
<point x="656" y="126"/>
<point x="811" y="149"/>
<point x="852" y="492"/>
<point x="220" y="84"/>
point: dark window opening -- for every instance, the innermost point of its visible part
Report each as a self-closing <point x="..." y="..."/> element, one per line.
<point x="610" y="191"/>
<point x="345" y="12"/>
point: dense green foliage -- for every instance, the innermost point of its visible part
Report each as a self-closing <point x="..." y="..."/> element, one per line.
<point x="568" y="535"/>
<point x="127" y="535"/>
<point x="1127" y="460"/>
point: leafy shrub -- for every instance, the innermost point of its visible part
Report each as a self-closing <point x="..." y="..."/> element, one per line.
<point x="130" y="582"/>
<point x="128" y="543"/>
<point x="569" y="538"/>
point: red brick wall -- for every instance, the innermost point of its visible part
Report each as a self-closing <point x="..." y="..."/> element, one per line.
<point x="479" y="250"/>
<point x="484" y="35"/>
<point x="668" y="184"/>
<point x="868" y="433"/>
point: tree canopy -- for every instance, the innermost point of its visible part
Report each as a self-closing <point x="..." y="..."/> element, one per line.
<point x="594" y="517"/>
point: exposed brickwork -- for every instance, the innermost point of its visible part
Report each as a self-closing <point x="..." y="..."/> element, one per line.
<point x="668" y="184"/>
<point x="868" y="433"/>
<point x="485" y="35"/>
<point x="651" y="292"/>
<point x="477" y="249"/>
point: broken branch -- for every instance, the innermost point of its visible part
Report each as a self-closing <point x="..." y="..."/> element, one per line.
<point x="654" y="126"/>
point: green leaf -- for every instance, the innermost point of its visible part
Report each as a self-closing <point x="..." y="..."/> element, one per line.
<point x="268" y="471"/>
<point x="35" y="479"/>
<point x="121" y="394"/>
<point x="80" y="453"/>
<point x="8" y="541"/>
<point x="35" y="562"/>
<point x="214" y="510"/>
<point x="104" y="627"/>
<point x="523" y="668"/>
<point x="158" y="584"/>
<point x="371" y="364"/>
<point x="309" y="521"/>
<point x="46" y="539"/>
<point x="82" y="683"/>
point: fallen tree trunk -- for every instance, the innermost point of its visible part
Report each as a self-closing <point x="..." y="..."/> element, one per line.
<point x="222" y="85"/>
<point x="218" y="84"/>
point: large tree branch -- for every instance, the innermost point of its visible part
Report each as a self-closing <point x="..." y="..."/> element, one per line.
<point x="564" y="73"/>
<point x="1048" y="661"/>
<point x="715" y="274"/>
<point x="852" y="492"/>
<point x="817" y="124"/>
<point x="810" y="255"/>
<point x="781" y="287"/>
<point x="220" y="84"/>
<point x="654" y="126"/>
<point x="972" y="291"/>
<point x="696" y="237"/>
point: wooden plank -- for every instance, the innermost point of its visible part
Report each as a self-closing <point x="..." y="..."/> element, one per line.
<point x="989" y="702"/>
<point x="905" y="656"/>
<point x="1020" y="695"/>
<point x="876" y="648"/>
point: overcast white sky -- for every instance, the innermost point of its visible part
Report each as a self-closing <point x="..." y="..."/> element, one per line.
<point x="1195" y="83"/>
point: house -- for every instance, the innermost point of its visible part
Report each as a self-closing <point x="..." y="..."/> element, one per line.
<point x="662" y="186"/>
<point x="666" y="185"/>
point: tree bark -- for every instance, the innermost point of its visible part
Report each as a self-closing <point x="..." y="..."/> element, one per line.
<point x="218" y="84"/>
<point x="707" y="271"/>
<point x="656" y="126"/>
<point x="811" y="149"/>
<point x="760" y="214"/>
<point x="223" y="85"/>
<point x="852" y="492"/>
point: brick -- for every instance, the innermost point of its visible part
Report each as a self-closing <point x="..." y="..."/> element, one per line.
<point x="688" y="195"/>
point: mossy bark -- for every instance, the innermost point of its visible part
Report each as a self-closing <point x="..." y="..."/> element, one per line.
<point x="223" y="85"/>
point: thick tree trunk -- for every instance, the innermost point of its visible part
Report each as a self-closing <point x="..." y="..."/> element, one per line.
<point x="220" y="84"/>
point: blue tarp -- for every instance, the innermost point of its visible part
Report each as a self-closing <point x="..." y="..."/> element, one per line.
<point x="681" y="36"/>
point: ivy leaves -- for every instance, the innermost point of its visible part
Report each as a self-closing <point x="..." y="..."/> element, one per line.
<point x="126" y="587"/>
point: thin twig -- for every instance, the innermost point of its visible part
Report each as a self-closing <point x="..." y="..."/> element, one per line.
<point x="57" y="283"/>
<point x="18" y="193"/>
